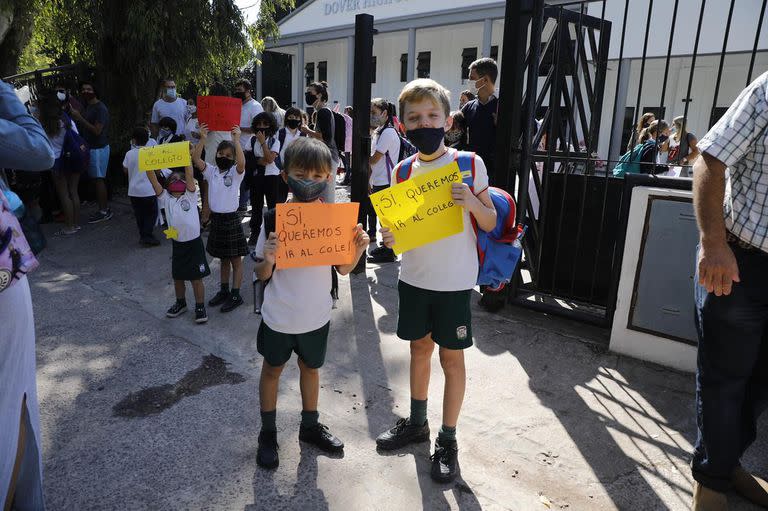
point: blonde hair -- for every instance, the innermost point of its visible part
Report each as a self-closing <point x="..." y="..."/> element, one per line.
<point x="424" y="88"/>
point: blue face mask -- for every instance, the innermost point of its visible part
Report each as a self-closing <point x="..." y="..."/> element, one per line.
<point x="306" y="190"/>
<point x="171" y="92"/>
<point x="164" y="132"/>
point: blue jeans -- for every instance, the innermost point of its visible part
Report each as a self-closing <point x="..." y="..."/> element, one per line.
<point x="731" y="377"/>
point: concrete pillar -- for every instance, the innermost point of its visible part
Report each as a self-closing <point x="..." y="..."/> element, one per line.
<point x="615" y="149"/>
<point x="259" y="85"/>
<point x="487" y="37"/>
<point x="350" y="70"/>
<point x="411" y="54"/>
<point x="300" y="77"/>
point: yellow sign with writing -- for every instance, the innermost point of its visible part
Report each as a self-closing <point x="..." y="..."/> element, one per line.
<point x="164" y="156"/>
<point x="420" y="210"/>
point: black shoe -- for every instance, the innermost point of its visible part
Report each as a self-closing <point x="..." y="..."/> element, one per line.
<point x="266" y="455"/>
<point x="176" y="310"/>
<point x="385" y="256"/>
<point x="201" y="316"/>
<point x="320" y="436"/>
<point x="151" y="241"/>
<point x="219" y="298"/>
<point x="402" y="434"/>
<point x="445" y="461"/>
<point x="100" y="216"/>
<point x="378" y="250"/>
<point x="253" y="239"/>
<point x="232" y="303"/>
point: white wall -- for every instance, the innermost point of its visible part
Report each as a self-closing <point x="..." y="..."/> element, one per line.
<point x="741" y="37"/>
<point x="733" y="81"/>
<point x="322" y="14"/>
<point x="335" y="53"/>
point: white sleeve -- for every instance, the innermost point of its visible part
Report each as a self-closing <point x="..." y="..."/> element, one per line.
<point x="155" y="114"/>
<point x="259" y="250"/>
<point x="481" y="176"/>
<point x="162" y="200"/>
<point x="207" y="172"/>
<point x="276" y="145"/>
<point x="127" y="160"/>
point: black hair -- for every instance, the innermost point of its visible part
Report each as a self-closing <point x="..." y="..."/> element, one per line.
<point x="307" y="154"/>
<point x="269" y="119"/>
<point x="386" y="107"/>
<point x="167" y="122"/>
<point x="140" y="135"/>
<point x="293" y="111"/>
<point x="93" y="86"/>
<point x="322" y="88"/>
<point x="226" y="144"/>
<point x="244" y="83"/>
<point x="485" y="67"/>
<point x="468" y="93"/>
<point x="218" y="89"/>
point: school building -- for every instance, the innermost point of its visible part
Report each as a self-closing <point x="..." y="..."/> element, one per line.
<point x="439" y="38"/>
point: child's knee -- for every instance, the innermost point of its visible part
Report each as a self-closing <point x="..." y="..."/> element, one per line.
<point x="422" y="348"/>
<point x="305" y="369"/>
<point x="451" y="360"/>
<point x="272" y="372"/>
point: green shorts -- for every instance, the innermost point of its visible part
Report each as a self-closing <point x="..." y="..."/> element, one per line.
<point x="276" y="347"/>
<point x="444" y="314"/>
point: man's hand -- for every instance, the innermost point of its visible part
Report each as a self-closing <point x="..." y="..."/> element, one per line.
<point x="718" y="269"/>
<point x="387" y="237"/>
<point x="203" y="131"/>
<point x="270" y="248"/>
<point x="362" y="240"/>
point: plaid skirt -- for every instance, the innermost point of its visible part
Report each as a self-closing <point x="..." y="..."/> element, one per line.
<point x="226" y="238"/>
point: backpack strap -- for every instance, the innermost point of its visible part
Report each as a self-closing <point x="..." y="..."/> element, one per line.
<point x="404" y="170"/>
<point x="281" y="134"/>
<point x="466" y="161"/>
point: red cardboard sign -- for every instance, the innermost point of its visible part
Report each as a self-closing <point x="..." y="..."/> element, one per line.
<point x="220" y="113"/>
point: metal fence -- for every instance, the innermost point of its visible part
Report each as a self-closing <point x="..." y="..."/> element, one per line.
<point x="555" y="64"/>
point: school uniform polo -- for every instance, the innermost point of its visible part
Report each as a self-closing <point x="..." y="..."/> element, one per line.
<point x="436" y="280"/>
<point x="188" y="261"/>
<point x="223" y="188"/>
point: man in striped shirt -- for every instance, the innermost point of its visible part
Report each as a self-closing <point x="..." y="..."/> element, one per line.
<point x="732" y="298"/>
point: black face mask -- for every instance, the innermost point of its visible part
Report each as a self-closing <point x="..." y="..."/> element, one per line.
<point x="224" y="163"/>
<point x="239" y="95"/>
<point x="310" y="98"/>
<point x="426" y="140"/>
<point x="293" y="123"/>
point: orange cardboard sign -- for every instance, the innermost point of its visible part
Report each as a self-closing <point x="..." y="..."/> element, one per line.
<point x="315" y="234"/>
<point x="220" y="113"/>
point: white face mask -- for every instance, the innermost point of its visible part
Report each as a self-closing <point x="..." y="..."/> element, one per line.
<point x="474" y="88"/>
<point x="192" y="109"/>
<point x="61" y="95"/>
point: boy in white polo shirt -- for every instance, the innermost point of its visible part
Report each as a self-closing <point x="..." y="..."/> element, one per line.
<point x="436" y="281"/>
<point x="188" y="261"/>
<point x="297" y="309"/>
<point x="140" y="190"/>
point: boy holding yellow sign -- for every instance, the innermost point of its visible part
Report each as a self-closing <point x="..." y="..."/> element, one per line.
<point x="436" y="279"/>
<point x="296" y="312"/>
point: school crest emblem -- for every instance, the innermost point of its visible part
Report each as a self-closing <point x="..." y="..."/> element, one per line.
<point x="461" y="333"/>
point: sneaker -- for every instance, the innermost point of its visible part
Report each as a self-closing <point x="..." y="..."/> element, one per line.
<point x="201" y="316"/>
<point x="176" y="310"/>
<point x="232" y="303"/>
<point x="100" y="216"/>
<point x="385" y="256"/>
<point x="445" y="461"/>
<point x="266" y="455"/>
<point x="402" y="434"/>
<point x="379" y="249"/>
<point x="67" y="232"/>
<point x="218" y="298"/>
<point x="322" y="438"/>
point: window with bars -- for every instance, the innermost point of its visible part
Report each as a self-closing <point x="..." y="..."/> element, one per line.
<point x="468" y="56"/>
<point x="309" y="72"/>
<point x="373" y="69"/>
<point x="322" y="71"/>
<point x="495" y="53"/>
<point x="423" y="64"/>
<point x="404" y="67"/>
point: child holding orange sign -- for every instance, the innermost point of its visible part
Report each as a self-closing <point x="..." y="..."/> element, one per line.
<point x="436" y="280"/>
<point x="297" y="308"/>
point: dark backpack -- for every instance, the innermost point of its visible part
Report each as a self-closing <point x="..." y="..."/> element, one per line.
<point x="282" y="133"/>
<point x="339" y="131"/>
<point x="75" y="153"/>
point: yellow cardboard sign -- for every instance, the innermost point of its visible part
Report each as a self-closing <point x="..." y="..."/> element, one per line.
<point x="164" y="156"/>
<point x="420" y="210"/>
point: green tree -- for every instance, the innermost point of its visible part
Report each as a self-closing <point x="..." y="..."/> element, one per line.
<point x="135" y="44"/>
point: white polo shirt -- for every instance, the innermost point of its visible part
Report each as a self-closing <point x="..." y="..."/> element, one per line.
<point x="387" y="143"/>
<point x="250" y="109"/>
<point x="449" y="264"/>
<point x="223" y="188"/>
<point x="138" y="182"/>
<point x="181" y="213"/>
<point x="258" y="152"/>
<point x="289" y="139"/>
<point x="296" y="300"/>
<point x="176" y="110"/>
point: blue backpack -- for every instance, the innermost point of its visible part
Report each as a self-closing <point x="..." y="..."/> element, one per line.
<point x="629" y="163"/>
<point x="499" y="250"/>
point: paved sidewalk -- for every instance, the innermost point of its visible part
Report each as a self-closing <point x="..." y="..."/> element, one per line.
<point x="550" y="421"/>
